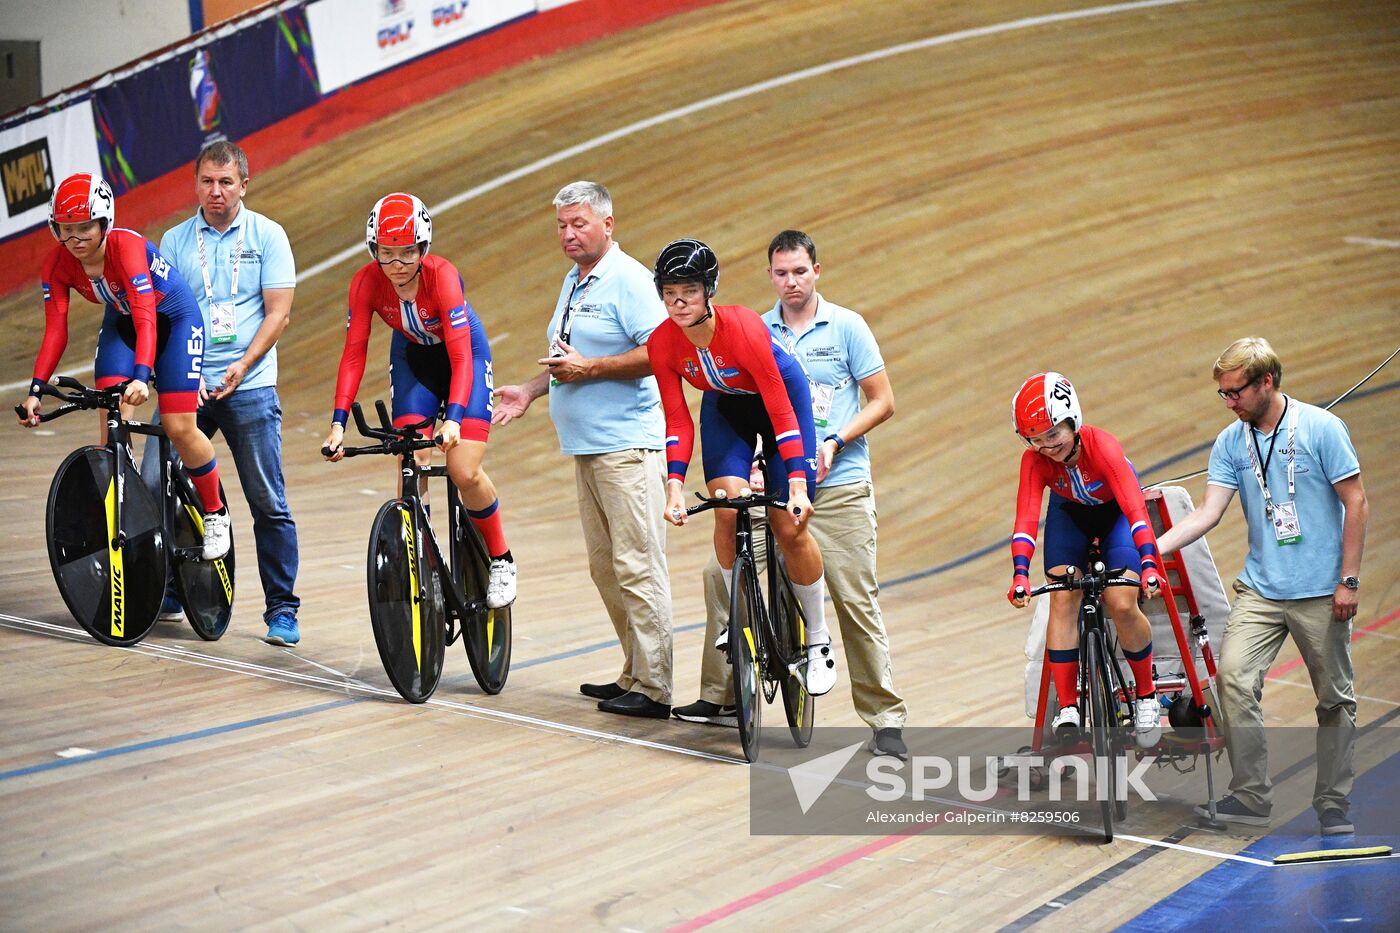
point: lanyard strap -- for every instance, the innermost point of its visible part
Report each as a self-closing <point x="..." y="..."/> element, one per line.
<point x="566" y="320"/>
<point x="1261" y="473"/>
<point x="204" y="264"/>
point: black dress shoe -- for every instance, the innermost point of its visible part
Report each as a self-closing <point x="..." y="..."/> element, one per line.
<point x="636" y="704"/>
<point x="601" y="691"/>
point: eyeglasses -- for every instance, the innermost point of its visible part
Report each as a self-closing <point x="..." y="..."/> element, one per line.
<point x="1233" y="395"/>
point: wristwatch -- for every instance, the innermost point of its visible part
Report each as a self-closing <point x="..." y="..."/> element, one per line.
<point x="1351" y="583"/>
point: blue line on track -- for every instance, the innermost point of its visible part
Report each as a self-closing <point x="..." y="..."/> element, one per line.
<point x="589" y="649"/>
<point x="176" y="739"/>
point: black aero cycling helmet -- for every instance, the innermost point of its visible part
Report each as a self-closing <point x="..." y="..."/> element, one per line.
<point x="687" y="261"/>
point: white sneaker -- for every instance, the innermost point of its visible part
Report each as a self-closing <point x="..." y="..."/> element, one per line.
<point x="216" y="535"/>
<point x="821" y="669"/>
<point x="1066" y="721"/>
<point x="1147" y="720"/>
<point x="500" y="589"/>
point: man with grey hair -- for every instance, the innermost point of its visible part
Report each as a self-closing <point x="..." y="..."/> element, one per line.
<point x="607" y="412"/>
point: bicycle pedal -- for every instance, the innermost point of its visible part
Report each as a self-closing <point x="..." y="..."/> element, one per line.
<point x="190" y="554"/>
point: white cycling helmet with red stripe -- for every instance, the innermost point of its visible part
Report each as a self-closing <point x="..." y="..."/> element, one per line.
<point x="399" y="220"/>
<point x="1043" y="401"/>
<point x="82" y="198"/>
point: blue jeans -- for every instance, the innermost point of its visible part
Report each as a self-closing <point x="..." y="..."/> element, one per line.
<point x="251" y="421"/>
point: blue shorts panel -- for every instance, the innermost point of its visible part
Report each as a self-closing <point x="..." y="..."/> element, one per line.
<point x="731" y="424"/>
<point x="420" y="377"/>
<point x="1071" y="526"/>
<point x="179" y="350"/>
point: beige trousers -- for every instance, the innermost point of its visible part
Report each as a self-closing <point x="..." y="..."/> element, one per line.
<point x="621" y="498"/>
<point x="1253" y="637"/>
<point x="844" y="525"/>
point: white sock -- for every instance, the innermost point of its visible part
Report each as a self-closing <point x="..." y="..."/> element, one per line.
<point x="812" y="598"/>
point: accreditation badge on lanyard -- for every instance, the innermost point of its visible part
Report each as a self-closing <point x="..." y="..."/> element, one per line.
<point x="223" y="315"/>
<point x="566" y="321"/>
<point x="823" y="393"/>
<point x="1288" y="528"/>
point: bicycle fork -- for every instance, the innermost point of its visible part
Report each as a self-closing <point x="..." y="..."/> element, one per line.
<point x="116" y="536"/>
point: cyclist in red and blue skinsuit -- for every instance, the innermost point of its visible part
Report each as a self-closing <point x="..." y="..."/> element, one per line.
<point x="753" y="389"/>
<point x="151" y="325"/>
<point x="439" y="362"/>
<point x="1094" y="493"/>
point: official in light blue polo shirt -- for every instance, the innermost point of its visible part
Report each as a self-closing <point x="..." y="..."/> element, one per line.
<point x="239" y="265"/>
<point x="613" y="310"/>
<point x="264" y="261"/>
<point x="607" y="413"/>
<point x="1323" y="455"/>
<point x="837" y="352"/>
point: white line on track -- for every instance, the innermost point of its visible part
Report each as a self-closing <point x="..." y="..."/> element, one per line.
<point x="346" y="686"/>
<point x="1371" y="241"/>
<point x="717" y="100"/>
<point x="1228" y="856"/>
<point x="24" y="383"/>
<point x="1309" y="686"/>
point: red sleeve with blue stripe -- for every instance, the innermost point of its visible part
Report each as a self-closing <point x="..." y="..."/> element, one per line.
<point x="54" y="278"/>
<point x="1109" y="460"/>
<point x="352" y="360"/>
<point x="1028" y="498"/>
<point x="126" y="255"/>
<point x="756" y="346"/>
<point x="680" y="429"/>
<point x="457" y="334"/>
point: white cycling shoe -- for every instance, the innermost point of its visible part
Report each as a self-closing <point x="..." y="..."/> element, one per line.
<point x="1147" y="721"/>
<point x="216" y="535"/>
<point x="1066" y="723"/>
<point x="821" y="669"/>
<point x="500" y="588"/>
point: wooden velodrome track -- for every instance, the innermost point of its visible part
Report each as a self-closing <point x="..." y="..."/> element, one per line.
<point x="1117" y="196"/>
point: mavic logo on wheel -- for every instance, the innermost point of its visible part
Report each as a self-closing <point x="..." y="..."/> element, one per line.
<point x="118" y="602"/>
<point x="811" y="778"/>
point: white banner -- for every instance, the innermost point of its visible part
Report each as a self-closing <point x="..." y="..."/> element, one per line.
<point x="354" y="39"/>
<point x="38" y="154"/>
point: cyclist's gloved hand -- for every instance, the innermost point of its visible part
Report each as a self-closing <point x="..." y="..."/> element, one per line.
<point x="335" y="443"/>
<point x="1019" y="594"/>
<point x="136" y="393"/>
<point x="1151" y="583"/>
<point x="30" y="408"/>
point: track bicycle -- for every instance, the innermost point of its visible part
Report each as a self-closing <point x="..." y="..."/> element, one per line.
<point x="112" y="547"/>
<point x="767" y="638"/>
<point x="1105" y="703"/>
<point x="418" y="604"/>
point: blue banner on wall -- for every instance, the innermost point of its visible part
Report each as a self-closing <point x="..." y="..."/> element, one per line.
<point x="158" y="119"/>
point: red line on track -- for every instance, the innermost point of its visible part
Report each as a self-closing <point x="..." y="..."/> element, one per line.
<point x="1364" y="630"/>
<point x="773" y="890"/>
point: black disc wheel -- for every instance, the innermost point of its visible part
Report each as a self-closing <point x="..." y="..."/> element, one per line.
<point x="486" y="633"/>
<point x="406" y="604"/>
<point x="205" y="587"/>
<point x="1101" y="730"/>
<point x="791" y="628"/>
<point x="743" y="657"/>
<point x="112" y="582"/>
